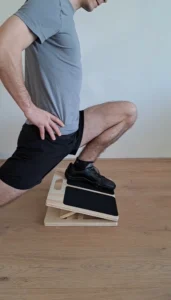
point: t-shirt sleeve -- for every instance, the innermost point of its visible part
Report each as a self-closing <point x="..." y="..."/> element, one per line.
<point x="42" y="17"/>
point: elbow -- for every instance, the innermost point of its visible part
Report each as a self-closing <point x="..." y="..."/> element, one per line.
<point x="1" y="68"/>
<point x="5" y="58"/>
<point x="2" y="57"/>
<point x="4" y="53"/>
<point x="7" y="55"/>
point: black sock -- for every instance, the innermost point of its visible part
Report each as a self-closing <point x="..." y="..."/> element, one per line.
<point x="81" y="164"/>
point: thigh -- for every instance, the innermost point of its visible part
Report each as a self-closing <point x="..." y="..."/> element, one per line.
<point x="34" y="158"/>
<point x="99" y="118"/>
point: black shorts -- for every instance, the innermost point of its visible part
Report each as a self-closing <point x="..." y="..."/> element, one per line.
<point x="34" y="158"/>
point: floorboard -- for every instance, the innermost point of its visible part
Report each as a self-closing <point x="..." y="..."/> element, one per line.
<point x="130" y="262"/>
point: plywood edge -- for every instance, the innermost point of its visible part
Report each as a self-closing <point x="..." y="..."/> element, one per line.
<point x="52" y="218"/>
<point x="54" y="204"/>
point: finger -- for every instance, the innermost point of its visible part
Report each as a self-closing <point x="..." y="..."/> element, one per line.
<point x="42" y="132"/>
<point x="51" y="133"/>
<point x="55" y="127"/>
<point x="57" y="120"/>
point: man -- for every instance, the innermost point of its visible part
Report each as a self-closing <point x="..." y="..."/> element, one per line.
<point x="50" y="96"/>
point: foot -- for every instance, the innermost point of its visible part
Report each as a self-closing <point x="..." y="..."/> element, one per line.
<point x="90" y="174"/>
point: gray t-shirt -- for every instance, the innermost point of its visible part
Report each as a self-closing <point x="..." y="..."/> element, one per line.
<point x="53" y="71"/>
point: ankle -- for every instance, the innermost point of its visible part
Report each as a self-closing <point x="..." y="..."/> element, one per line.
<point x="81" y="164"/>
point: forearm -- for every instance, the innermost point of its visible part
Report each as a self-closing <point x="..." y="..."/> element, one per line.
<point x="11" y="76"/>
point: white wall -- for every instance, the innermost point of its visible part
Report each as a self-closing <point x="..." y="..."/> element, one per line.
<point x="126" y="49"/>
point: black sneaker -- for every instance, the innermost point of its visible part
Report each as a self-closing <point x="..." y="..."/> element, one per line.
<point x="90" y="175"/>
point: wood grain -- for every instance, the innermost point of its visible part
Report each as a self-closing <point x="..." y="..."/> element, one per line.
<point x="130" y="262"/>
<point x="53" y="218"/>
<point x="55" y="199"/>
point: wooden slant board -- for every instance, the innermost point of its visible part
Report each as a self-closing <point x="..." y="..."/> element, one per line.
<point x="52" y="218"/>
<point x="59" y="214"/>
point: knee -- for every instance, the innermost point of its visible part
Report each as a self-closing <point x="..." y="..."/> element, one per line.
<point x="8" y="193"/>
<point x="131" y="113"/>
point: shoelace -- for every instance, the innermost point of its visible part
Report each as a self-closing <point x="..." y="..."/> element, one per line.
<point x="97" y="172"/>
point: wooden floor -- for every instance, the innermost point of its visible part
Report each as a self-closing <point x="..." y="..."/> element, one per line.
<point x="130" y="262"/>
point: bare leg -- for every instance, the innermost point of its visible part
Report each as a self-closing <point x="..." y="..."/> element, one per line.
<point x="8" y="193"/>
<point x="104" y="125"/>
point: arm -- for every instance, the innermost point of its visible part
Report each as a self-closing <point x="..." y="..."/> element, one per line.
<point x="15" y="37"/>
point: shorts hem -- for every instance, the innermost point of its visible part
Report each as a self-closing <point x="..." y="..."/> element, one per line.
<point x="18" y="186"/>
<point x="80" y="133"/>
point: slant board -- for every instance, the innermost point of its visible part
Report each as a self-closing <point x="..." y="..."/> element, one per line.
<point x="52" y="218"/>
<point x="72" y="205"/>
